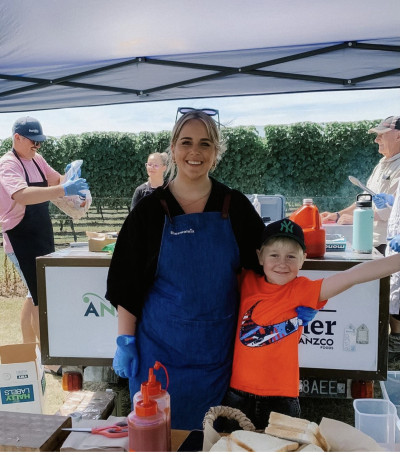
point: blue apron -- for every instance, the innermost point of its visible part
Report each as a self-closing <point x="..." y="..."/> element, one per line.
<point x="33" y="235"/>
<point x="189" y="317"/>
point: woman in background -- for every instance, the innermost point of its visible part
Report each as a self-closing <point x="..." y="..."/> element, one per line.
<point x="156" y="166"/>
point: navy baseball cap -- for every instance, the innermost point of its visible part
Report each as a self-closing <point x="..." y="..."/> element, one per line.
<point x="29" y="127"/>
<point x="284" y="228"/>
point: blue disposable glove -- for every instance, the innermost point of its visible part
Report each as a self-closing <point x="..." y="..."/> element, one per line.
<point x="74" y="186"/>
<point x="395" y="243"/>
<point x="381" y="200"/>
<point x="68" y="167"/>
<point x="306" y="314"/>
<point x="126" y="358"/>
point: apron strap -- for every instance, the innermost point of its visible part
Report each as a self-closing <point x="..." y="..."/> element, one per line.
<point x="164" y="205"/>
<point x="225" y="206"/>
<point x="26" y="174"/>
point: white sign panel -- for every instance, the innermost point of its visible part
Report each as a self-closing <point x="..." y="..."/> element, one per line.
<point x="81" y="322"/>
<point x="344" y="335"/>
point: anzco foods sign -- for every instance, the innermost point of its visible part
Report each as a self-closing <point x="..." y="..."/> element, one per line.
<point x="96" y="306"/>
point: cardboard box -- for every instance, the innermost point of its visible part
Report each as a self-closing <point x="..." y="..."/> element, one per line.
<point x="98" y="240"/>
<point x="22" y="378"/>
<point x="97" y="245"/>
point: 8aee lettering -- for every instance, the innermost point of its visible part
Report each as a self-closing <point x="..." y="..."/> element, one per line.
<point x="323" y="388"/>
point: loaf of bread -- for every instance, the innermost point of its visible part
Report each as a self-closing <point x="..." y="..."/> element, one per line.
<point x="299" y="430"/>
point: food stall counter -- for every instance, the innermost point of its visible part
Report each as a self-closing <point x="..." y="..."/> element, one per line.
<point x="347" y="339"/>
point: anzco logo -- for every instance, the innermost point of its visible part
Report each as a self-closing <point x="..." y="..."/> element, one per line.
<point x="97" y="306"/>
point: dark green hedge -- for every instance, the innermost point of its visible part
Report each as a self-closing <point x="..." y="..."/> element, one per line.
<point x="299" y="160"/>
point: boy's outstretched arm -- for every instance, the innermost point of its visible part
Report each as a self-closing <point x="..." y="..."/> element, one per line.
<point x="361" y="273"/>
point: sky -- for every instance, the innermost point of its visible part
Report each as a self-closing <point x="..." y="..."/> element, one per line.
<point x="258" y="111"/>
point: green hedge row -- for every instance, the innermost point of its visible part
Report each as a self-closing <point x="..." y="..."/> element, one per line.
<point x="298" y="160"/>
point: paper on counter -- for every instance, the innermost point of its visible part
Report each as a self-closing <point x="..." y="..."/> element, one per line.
<point x="87" y="442"/>
<point x="211" y="436"/>
<point x="345" y="438"/>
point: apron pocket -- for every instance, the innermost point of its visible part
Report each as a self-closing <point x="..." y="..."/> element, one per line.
<point x="193" y="343"/>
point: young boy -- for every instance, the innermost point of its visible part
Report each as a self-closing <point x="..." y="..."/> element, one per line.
<point x="265" y="372"/>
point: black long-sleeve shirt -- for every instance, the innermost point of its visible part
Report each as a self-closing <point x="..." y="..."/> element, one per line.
<point x="134" y="261"/>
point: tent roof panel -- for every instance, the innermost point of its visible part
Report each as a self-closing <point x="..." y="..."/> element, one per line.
<point x="205" y="49"/>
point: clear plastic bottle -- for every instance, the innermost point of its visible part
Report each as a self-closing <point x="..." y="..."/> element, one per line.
<point x="363" y="224"/>
<point x="307" y="216"/>
<point x="161" y="396"/>
<point x="146" y="426"/>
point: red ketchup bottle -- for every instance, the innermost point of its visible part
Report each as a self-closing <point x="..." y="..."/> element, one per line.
<point x="308" y="217"/>
<point x="159" y="395"/>
<point x="146" y="426"/>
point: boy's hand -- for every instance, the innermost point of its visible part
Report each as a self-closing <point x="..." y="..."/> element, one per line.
<point x="306" y="314"/>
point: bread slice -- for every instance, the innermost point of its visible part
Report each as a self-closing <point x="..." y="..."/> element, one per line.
<point x="300" y="430"/>
<point x="250" y="441"/>
<point x="309" y="448"/>
<point x="299" y="436"/>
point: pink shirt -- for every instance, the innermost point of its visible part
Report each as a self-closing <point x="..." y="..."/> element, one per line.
<point x="12" y="179"/>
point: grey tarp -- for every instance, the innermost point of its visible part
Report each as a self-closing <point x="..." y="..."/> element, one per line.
<point x="56" y="54"/>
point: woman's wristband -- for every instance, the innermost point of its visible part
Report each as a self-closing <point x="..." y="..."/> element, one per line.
<point x="337" y="217"/>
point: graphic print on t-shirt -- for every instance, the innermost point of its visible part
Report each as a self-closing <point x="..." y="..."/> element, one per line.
<point x="255" y="336"/>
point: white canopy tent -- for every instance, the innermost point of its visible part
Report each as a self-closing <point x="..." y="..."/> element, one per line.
<point x="57" y="54"/>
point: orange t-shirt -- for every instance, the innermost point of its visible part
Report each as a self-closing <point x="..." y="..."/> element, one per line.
<point x="270" y="369"/>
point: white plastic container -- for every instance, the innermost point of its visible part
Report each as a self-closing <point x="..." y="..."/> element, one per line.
<point x="377" y="419"/>
<point x="391" y="391"/>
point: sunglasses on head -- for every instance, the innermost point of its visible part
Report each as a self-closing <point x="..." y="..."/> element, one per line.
<point x="209" y="111"/>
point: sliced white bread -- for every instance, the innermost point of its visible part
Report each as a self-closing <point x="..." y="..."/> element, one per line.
<point x="300" y="430"/>
<point x="250" y="441"/>
<point x="309" y="448"/>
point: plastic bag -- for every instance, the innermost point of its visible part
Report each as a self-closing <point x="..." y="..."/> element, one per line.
<point x="74" y="206"/>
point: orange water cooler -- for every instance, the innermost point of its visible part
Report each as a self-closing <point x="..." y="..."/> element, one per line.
<point x="308" y="217"/>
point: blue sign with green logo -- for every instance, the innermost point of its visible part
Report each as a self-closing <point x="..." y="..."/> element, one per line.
<point x="17" y="394"/>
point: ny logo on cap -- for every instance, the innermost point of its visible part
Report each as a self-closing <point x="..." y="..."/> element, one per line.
<point x="287" y="226"/>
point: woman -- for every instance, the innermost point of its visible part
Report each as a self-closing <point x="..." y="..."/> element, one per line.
<point x="173" y="275"/>
<point x="156" y="166"/>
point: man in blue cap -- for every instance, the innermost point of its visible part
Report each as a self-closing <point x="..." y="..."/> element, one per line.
<point x="27" y="184"/>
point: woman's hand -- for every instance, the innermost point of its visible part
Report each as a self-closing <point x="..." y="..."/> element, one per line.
<point x="328" y="217"/>
<point x="126" y="358"/>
